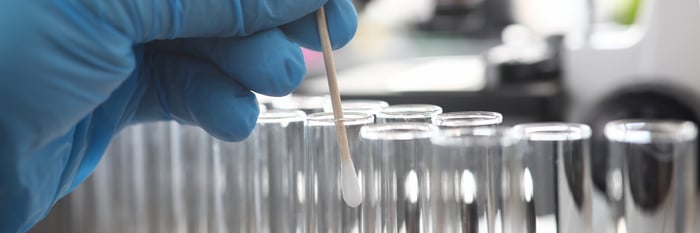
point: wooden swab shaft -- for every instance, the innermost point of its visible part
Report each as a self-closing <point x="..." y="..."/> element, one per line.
<point x="350" y="185"/>
<point x="333" y="85"/>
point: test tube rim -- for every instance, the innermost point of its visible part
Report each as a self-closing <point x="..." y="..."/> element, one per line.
<point x="349" y="118"/>
<point x="280" y="116"/>
<point x="552" y="131"/>
<point x="410" y="131"/>
<point x="646" y="131"/>
<point x="379" y="105"/>
<point x="460" y="137"/>
<point x="394" y="111"/>
<point x="467" y="119"/>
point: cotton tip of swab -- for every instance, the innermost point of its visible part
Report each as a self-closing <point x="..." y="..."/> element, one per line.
<point x="350" y="185"/>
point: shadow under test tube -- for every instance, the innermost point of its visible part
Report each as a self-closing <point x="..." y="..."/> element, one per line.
<point x="327" y="212"/>
<point x="399" y="152"/>
<point x="462" y="183"/>
<point x="651" y="176"/>
<point x="550" y="178"/>
<point x="408" y="113"/>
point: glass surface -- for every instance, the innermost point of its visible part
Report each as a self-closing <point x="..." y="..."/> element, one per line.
<point x="467" y="119"/>
<point x="192" y="189"/>
<point x="466" y="184"/>
<point x="399" y="152"/>
<point x="278" y="140"/>
<point x="328" y="212"/>
<point x="408" y="113"/>
<point x="550" y="179"/>
<point x="651" y="175"/>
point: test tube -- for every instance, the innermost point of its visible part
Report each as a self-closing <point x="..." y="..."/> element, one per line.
<point x="467" y="119"/>
<point x="550" y="179"/>
<point x="365" y="106"/>
<point x="155" y="171"/>
<point x="308" y="104"/>
<point x="399" y="152"/>
<point x="234" y="166"/>
<point x="328" y="212"/>
<point x="408" y="113"/>
<point x="465" y="181"/>
<point x="192" y="155"/>
<point x="117" y="197"/>
<point x="280" y="137"/>
<point x="651" y="175"/>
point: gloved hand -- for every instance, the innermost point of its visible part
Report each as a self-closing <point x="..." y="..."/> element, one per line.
<point x="74" y="72"/>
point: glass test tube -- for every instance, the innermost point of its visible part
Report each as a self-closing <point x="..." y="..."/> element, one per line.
<point x="328" y="212"/>
<point x="494" y="161"/>
<point x="280" y="136"/>
<point x="156" y="173"/>
<point x="467" y="119"/>
<point x="122" y="194"/>
<point x="308" y="104"/>
<point x="550" y="179"/>
<point x="463" y="188"/>
<point x="235" y="190"/>
<point x="399" y="152"/>
<point x="651" y="176"/>
<point x="365" y="106"/>
<point x="192" y="192"/>
<point x="408" y="113"/>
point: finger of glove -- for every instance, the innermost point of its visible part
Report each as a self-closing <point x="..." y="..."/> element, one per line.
<point x="165" y="19"/>
<point x="342" y="25"/>
<point x="196" y="92"/>
<point x="266" y="62"/>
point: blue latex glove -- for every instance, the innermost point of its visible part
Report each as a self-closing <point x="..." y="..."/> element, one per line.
<point x="73" y="73"/>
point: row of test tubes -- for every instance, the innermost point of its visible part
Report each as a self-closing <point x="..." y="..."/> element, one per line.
<point x="420" y="170"/>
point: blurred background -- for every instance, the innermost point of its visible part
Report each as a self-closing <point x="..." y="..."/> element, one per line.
<point x="589" y="61"/>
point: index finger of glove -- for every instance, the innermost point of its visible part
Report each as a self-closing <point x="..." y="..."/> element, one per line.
<point x="166" y="19"/>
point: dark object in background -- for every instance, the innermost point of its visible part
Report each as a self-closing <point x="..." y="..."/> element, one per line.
<point x="473" y="18"/>
<point x="523" y="57"/>
<point x="650" y="102"/>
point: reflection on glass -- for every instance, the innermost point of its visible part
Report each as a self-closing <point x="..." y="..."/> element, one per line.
<point x="463" y="194"/>
<point x="408" y="113"/>
<point x="654" y="164"/>
<point x="467" y="119"/>
<point x="399" y="152"/>
<point x="554" y="164"/>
